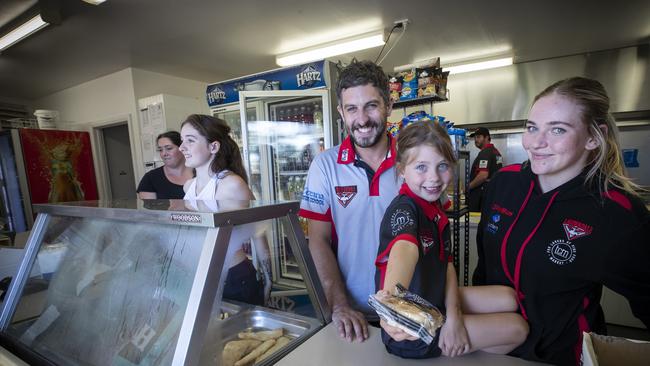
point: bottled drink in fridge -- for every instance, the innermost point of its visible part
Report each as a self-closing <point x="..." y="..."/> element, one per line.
<point x="318" y="116"/>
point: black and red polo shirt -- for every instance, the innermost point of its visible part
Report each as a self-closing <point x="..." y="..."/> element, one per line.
<point x="488" y="160"/>
<point x="424" y="224"/>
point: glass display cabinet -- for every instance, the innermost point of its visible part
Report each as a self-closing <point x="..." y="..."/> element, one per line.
<point x="151" y="283"/>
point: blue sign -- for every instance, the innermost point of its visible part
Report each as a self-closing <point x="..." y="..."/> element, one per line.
<point x="308" y="76"/>
<point x="630" y="158"/>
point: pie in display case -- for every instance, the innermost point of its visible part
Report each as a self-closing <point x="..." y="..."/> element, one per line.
<point x="157" y="282"/>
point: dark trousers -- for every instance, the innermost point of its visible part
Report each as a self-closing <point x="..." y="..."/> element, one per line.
<point x="242" y="284"/>
<point x="475" y="198"/>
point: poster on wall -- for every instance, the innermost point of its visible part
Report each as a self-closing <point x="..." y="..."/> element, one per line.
<point x="59" y="165"/>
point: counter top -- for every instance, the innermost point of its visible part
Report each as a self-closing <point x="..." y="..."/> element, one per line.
<point x="327" y="348"/>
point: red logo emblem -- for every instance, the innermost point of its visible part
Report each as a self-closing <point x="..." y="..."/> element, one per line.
<point x="575" y="229"/>
<point x="345" y="194"/>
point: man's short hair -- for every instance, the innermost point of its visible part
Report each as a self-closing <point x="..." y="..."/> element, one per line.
<point x="359" y="73"/>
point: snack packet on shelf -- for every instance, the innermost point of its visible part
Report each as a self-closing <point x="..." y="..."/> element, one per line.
<point x="409" y="312"/>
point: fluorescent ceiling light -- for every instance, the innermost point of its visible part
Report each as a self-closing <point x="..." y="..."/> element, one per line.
<point x="22" y="31"/>
<point x="347" y="45"/>
<point x="478" y="65"/>
<point x="94" y="2"/>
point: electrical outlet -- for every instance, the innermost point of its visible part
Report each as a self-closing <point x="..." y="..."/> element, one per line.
<point x="402" y="23"/>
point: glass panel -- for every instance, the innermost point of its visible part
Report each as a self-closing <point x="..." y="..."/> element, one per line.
<point x="233" y="118"/>
<point x="104" y="292"/>
<point x="281" y="149"/>
<point x="250" y="302"/>
<point x="12" y="215"/>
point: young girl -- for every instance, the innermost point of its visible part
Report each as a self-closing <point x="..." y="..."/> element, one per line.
<point x="220" y="175"/>
<point x="414" y="250"/>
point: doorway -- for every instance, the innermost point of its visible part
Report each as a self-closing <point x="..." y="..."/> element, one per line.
<point x="119" y="162"/>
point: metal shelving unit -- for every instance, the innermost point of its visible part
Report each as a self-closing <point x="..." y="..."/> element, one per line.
<point x="460" y="210"/>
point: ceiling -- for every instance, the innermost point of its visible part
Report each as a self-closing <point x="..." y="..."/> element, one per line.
<point x="210" y="40"/>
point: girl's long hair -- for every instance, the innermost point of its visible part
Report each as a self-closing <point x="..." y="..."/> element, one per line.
<point x="216" y="129"/>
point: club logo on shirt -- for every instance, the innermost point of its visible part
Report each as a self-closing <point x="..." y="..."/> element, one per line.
<point x="575" y="229"/>
<point x="427" y="242"/>
<point x="482" y="164"/>
<point x="399" y="220"/>
<point x="345" y="194"/>
<point x="561" y="252"/>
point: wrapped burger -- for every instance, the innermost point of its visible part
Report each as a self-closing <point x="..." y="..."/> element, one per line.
<point x="409" y="312"/>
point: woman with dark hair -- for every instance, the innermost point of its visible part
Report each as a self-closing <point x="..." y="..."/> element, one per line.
<point x="566" y="222"/>
<point x="220" y="175"/>
<point x="167" y="181"/>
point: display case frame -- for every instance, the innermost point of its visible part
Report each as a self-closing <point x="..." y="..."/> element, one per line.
<point x="206" y="283"/>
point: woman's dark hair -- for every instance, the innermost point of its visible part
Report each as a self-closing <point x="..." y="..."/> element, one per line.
<point x="173" y="136"/>
<point x="216" y="129"/>
<point x="360" y="73"/>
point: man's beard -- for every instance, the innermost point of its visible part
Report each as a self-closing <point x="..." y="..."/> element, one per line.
<point x="372" y="140"/>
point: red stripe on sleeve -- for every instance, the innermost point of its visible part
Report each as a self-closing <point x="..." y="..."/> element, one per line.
<point x="381" y="262"/>
<point x="327" y="216"/>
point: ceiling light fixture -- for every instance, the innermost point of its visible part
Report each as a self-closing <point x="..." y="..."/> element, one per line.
<point x="340" y="47"/>
<point x="22" y="32"/>
<point x="483" y="65"/>
<point x="94" y="2"/>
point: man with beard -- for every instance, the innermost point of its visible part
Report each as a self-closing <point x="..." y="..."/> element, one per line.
<point x="485" y="166"/>
<point x="347" y="191"/>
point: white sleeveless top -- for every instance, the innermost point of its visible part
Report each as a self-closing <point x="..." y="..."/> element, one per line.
<point x="209" y="191"/>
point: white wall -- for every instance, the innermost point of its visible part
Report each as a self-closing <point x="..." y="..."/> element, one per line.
<point x="147" y="83"/>
<point x="95" y="100"/>
<point x="113" y="98"/>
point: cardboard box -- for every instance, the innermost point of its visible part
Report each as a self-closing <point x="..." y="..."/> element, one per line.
<point x="599" y="350"/>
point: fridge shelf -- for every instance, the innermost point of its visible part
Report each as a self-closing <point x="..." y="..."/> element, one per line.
<point x="295" y="172"/>
<point x="418" y="101"/>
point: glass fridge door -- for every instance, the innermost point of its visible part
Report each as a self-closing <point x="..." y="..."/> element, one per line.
<point x="282" y="145"/>
<point x="232" y="115"/>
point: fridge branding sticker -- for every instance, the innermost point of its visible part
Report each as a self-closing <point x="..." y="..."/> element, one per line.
<point x="308" y="77"/>
<point x="216" y="95"/>
<point x="191" y="218"/>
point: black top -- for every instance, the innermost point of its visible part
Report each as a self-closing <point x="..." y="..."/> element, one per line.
<point x="557" y="249"/>
<point x="488" y="159"/>
<point x="424" y="224"/>
<point x="155" y="181"/>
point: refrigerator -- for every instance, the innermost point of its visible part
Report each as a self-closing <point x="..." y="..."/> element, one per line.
<point x="42" y="166"/>
<point x="281" y="120"/>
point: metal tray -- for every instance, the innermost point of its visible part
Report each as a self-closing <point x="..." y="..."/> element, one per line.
<point x="231" y="308"/>
<point x="296" y="327"/>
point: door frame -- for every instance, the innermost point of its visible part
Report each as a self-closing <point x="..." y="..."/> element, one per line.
<point x="99" y="151"/>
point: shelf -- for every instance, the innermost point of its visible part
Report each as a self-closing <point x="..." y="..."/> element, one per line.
<point x="418" y="101"/>
<point x="294" y="172"/>
<point x="455" y="214"/>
